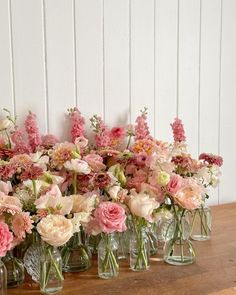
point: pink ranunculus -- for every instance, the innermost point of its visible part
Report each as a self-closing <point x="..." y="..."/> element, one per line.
<point x="174" y="184"/>
<point x="6" y="238"/>
<point x="95" y="162"/>
<point x="81" y="142"/>
<point x="22" y="224"/>
<point x="110" y="217"/>
<point x="10" y="204"/>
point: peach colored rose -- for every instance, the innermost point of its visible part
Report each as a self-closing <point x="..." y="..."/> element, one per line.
<point x="55" y="230"/>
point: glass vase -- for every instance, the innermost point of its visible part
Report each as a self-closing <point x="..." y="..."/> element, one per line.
<point x="15" y="270"/>
<point x="75" y="256"/>
<point x="51" y="278"/>
<point x="200" y="222"/>
<point x="152" y="237"/>
<point x="92" y="243"/>
<point x="179" y="250"/>
<point x="139" y="249"/>
<point x="3" y="278"/>
<point x="108" y="266"/>
<point x="124" y="244"/>
<point x="32" y="256"/>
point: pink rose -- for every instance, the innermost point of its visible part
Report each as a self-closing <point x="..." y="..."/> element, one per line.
<point x="110" y="217"/>
<point x="6" y="238"/>
<point x="174" y="184"/>
<point x="95" y="162"/>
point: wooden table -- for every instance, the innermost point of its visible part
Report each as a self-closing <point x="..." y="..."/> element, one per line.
<point x="213" y="273"/>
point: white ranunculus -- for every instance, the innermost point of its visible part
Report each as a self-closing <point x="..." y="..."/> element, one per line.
<point x="78" y="166"/>
<point x="40" y="160"/>
<point x="55" y="230"/>
<point x="78" y="219"/>
<point x="113" y="191"/>
<point x="5" y="124"/>
<point x="142" y="205"/>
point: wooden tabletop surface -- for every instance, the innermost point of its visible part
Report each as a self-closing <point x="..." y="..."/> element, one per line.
<point x="214" y="272"/>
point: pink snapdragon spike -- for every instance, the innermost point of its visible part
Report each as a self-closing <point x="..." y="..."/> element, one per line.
<point x="20" y="144"/>
<point x="178" y="130"/>
<point x="141" y="127"/>
<point x="211" y="159"/>
<point x="77" y="124"/>
<point x="103" y="134"/>
<point x="32" y="130"/>
<point x="6" y="239"/>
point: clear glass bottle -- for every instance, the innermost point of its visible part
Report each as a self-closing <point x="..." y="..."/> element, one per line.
<point x="108" y="266"/>
<point x="200" y="222"/>
<point x="15" y="270"/>
<point x="3" y="278"/>
<point x="92" y="243"/>
<point x="75" y="255"/>
<point x="152" y="237"/>
<point x="139" y="250"/>
<point x="179" y="250"/>
<point x="51" y="278"/>
<point x="123" y="241"/>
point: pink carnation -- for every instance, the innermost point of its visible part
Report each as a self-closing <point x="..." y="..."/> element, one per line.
<point x="110" y="217"/>
<point x="77" y="124"/>
<point x="95" y="162"/>
<point x="178" y="130"/>
<point x="22" y="224"/>
<point x="32" y="131"/>
<point x="6" y="239"/>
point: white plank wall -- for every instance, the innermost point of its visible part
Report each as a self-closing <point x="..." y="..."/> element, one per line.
<point x="113" y="57"/>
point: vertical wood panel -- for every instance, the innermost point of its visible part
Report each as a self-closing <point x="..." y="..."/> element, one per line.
<point x="189" y="31"/>
<point x="166" y="66"/>
<point x="28" y="59"/>
<point x="6" y="89"/>
<point x="116" y="61"/>
<point x="209" y="80"/>
<point x="142" y="59"/>
<point x="228" y="101"/>
<point x="60" y="63"/>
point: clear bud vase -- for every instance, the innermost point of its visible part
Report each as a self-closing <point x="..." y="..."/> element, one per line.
<point x="152" y="237"/>
<point x="200" y="222"/>
<point x="51" y="278"/>
<point x="179" y="250"/>
<point x="108" y="266"/>
<point x="139" y="250"/>
<point x="15" y="270"/>
<point x="123" y="241"/>
<point x="75" y="255"/>
<point x="3" y="278"/>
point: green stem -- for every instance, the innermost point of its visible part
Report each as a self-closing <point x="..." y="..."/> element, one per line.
<point x="8" y="139"/>
<point x="129" y="140"/>
<point x="34" y="189"/>
<point x="59" y="274"/>
<point x="75" y="183"/>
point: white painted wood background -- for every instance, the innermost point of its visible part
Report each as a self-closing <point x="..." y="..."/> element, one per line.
<point x="112" y="57"/>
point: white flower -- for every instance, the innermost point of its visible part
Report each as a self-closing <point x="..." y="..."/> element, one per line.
<point x="113" y="191"/>
<point x="56" y="230"/>
<point x="5" y="124"/>
<point x="163" y="178"/>
<point x="83" y="203"/>
<point x="78" y="166"/>
<point x="29" y="184"/>
<point x="40" y="160"/>
<point x="78" y="219"/>
<point x="142" y="205"/>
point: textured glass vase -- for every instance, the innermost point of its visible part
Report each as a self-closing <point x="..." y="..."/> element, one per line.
<point x="51" y="278"/>
<point x="15" y="270"/>
<point x="75" y="255"/>
<point x="108" y="266"/>
<point x="200" y="222"/>
<point x="3" y="278"/>
<point x="179" y="250"/>
<point x="32" y="256"/>
<point x="139" y="249"/>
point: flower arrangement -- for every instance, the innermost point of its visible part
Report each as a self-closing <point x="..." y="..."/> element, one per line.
<point x="121" y="179"/>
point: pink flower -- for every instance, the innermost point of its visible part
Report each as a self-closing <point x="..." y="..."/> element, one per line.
<point x="136" y="182"/>
<point x="81" y="142"/>
<point x="95" y="162"/>
<point x="153" y="191"/>
<point x="103" y="135"/>
<point x="18" y="138"/>
<point x="32" y="173"/>
<point x="141" y="127"/>
<point x="49" y="140"/>
<point x="110" y="217"/>
<point x="77" y="124"/>
<point x="117" y="132"/>
<point x="174" y="184"/>
<point x="22" y="224"/>
<point x="5" y="187"/>
<point x="6" y="239"/>
<point x="101" y="180"/>
<point x="10" y="205"/>
<point x="211" y="159"/>
<point x="178" y="130"/>
<point x="32" y="131"/>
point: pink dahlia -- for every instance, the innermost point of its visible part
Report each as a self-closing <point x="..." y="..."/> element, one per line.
<point x="6" y="239"/>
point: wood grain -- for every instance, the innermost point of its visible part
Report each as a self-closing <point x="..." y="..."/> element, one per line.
<point x="214" y="273"/>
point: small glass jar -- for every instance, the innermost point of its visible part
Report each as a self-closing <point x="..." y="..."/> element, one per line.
<point x="15" y="270"/>
<point x="3" y="278"/>
<point x="51" y="278"/>
<point x="75" y="255"/>
<point x="124" y="244"/>
<point x="200" y="223"/>
<point x="139" y="250"/>
<point x="108" y="266"/>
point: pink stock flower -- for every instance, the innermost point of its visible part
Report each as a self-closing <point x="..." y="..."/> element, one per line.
<point x="22" y="224"/>
<point x="211" y="159"/>
<point x="110" y="217"/>
<point x="77" y="124"/>
<point x="95" y="162"/>
<point x="49" y="140"/>
<point x="32" y="131"/>
<point x="174" y="184"/>
<point x="10" y="204"/>
<point x="20" y="144"/>
<point x="178" y="130"/>
<point x="141" y="127"/>
<point x="6" y="239"/>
